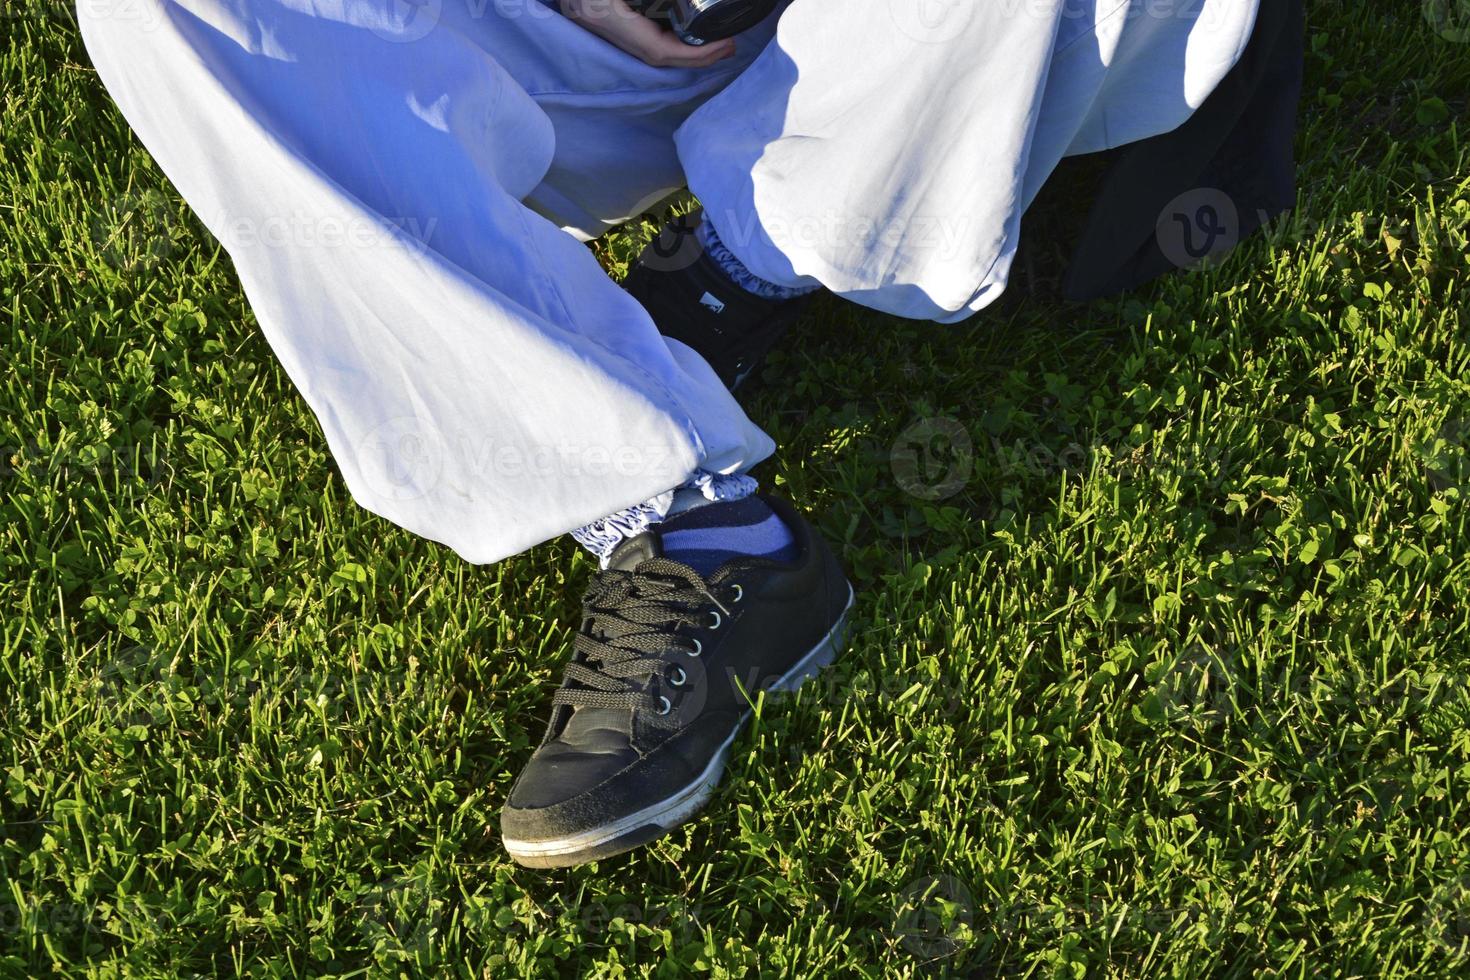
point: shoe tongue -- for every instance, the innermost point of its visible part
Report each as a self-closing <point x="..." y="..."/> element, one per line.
<point x="606" y="729"/>
<point x="635" y="551"/>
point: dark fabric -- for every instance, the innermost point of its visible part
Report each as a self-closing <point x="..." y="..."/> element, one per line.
<point x="694" y="301"/>
<point x="1226" y="172"/>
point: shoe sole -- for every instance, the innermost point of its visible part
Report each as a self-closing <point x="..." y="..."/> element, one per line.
<point x="652" y="822"/>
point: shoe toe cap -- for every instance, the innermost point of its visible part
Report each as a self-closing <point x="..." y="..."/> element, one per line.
<point x="557" y="774"/>
<point x="563" y="793"/>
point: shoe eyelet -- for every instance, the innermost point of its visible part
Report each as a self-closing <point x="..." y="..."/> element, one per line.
<point x="664" y="705"/>
<point x="679" y="679"/>
<point x="739" y="592"/>
<point x="698" y="648"/>
<point x="717" y="620"/>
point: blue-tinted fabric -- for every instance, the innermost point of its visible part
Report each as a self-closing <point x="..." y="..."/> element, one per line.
<point x="707" y="537"/>
<point x="740" y="275"/>
<point x="401" y="187"/>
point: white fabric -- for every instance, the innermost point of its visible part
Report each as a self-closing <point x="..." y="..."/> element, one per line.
<point x="389" y="177"/>
<point x="889" y="152"/>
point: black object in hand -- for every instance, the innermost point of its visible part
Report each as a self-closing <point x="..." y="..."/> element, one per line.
<point x="703" y="21"/>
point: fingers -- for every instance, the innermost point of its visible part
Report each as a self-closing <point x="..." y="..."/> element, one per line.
<point x="667" y="51"/>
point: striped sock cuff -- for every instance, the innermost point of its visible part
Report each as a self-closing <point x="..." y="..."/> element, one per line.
<point x="602" y="537"/>
<point x="739" y="274"/>
<point x="707" y="537"/>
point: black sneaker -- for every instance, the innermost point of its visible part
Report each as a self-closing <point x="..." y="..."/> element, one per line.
<point x="692" y="300"/>
<point x="666" y="670"/>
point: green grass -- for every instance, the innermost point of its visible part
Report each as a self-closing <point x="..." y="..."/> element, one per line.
<point x="1175" y="682"/>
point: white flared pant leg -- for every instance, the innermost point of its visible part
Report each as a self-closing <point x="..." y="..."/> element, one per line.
<point x="368" y="166"/>
<point x="887" y="150"/>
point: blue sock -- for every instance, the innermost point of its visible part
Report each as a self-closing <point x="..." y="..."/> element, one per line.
<point x="739" y="274"/>
<point x="707" y="536"/>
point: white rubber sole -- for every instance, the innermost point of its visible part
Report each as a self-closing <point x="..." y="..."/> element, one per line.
<point x="675" y="810"/>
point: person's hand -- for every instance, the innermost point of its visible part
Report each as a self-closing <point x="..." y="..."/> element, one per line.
<point x="615" y="21"/>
